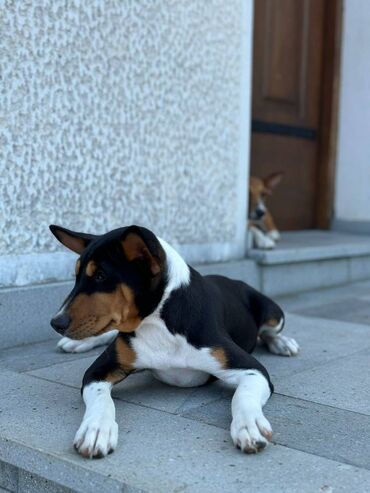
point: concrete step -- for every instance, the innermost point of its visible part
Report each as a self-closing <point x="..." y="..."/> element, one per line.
<point x="25" y="312"/>
<point x="301" y="262"/>
<point x="310" y="245"/>
<point x="308" y="260"/>
<point x="174" y="439"/>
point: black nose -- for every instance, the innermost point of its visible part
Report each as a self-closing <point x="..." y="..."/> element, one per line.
<point x="61" y="322"/>
<point x="259" y="213"/>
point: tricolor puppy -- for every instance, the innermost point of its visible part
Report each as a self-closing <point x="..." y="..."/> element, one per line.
<point x="262" y="230"/>
<point x="168" y="319"/>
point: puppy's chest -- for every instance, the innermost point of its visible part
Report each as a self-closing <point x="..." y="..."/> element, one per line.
<point x="157" y="348"/>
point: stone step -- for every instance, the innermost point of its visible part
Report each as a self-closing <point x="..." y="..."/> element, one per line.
<point x="308" y="260"/>
<point x="25" y="312"/>
<point x="174" y="439"/>
<point x="310" y="245"/>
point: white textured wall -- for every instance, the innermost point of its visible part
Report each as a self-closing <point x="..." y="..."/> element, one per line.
<point x="124" y="112"/>
<point x="352" y="201"/>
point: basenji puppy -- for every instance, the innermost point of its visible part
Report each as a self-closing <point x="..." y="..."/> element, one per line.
<point x="262" y="230"/>
<point x="169" y="319"/>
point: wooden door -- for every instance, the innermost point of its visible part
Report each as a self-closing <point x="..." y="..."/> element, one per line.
<point x="287" y="88"/>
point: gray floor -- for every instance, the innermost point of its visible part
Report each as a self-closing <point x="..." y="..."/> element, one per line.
<point x="174" y="440"/>
<point x="349" y="303"/>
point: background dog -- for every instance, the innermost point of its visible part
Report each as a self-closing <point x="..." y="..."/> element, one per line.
<point x="262" y="230"/>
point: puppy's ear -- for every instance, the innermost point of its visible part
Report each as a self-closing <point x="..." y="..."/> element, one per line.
<point x="271" y="181"/>
<point x="141" y="246"/>
<point x="77" y="242"/>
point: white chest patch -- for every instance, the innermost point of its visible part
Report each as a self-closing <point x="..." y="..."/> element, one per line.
<point x="156" y="348"/>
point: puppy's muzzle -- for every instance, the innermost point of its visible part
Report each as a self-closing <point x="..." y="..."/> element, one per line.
<point x="259" y="213"/>
<point x="60" y="322"/>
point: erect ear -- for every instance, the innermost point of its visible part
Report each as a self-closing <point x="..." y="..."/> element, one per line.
<point x="140" y="244"/>
<point x="271" y="181"/>
<point x="77" y="242"/>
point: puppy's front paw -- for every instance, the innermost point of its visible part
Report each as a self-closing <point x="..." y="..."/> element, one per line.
<point x="274" y="235"/>
<point x="96" y="437"/>
<point x="264" y="242"/>
<point x="81" y="346"/>
<point x="250" y="431"/>
<point x="282" y="345"/>
<point x="73" y="346"/>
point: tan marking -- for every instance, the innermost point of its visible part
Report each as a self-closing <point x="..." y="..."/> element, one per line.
<point x="220" y="355"/>
<point x="256" y="186"/>
<point x="97" y="313"/>
<point x="116" y="376"/>
<point x="256" y="192"/>
<point x="125" y="354"/>
<point x="126" y="358"/>
<point x="269" y="328"/>
<point x="135" y="248"/>
<point x="91" y="268"/>
<point x="258" y="189"/>
<point x="78" y="266"/>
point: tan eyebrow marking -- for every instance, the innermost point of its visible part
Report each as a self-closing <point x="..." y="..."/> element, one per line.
<point x="77" y="267"/>
<point x="220" y="355"/>
<point x="125" y="354"/>
<point x="91" y="268"/>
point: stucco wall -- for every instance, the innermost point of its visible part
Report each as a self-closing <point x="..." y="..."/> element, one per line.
<point x="352" y="201"/>
<point x="125" y="112"/>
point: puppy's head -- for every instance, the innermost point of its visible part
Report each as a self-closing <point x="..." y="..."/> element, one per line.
<point x="120" y="278"/>
<point x="258" y="190"/>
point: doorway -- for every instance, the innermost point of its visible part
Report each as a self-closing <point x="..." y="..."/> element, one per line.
<point x="294" y="109"/>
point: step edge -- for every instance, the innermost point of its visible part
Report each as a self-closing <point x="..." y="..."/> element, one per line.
<point x="31" y="455"/>
<point x="295" y="256"/>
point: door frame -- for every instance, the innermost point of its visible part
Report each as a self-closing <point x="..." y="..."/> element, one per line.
<point x="328" y="127"/>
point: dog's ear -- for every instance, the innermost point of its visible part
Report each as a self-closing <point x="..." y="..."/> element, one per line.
<point x="271" y="181"/>
<point x="141" y="246"/>
<point x="77" y="242"/>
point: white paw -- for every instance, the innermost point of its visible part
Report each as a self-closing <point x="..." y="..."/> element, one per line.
<point x="282" y="345"/>
<point x="96" y="437"/>
<point x="265" y="243"/>
<point x="261" y="240"/>
<point x="74" y="346"/>
<point x="274" y="235"/>
<point x="258" y="239"/>
<point x="250" y="431"/>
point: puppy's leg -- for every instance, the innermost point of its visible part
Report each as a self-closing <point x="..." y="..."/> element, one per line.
<point x="269" y="318"/>
<point x="250" y="430"/>
<point x="270" y="334"/>
<point x="98" y="433"/>
<point x="80" y="346"/>
<point x="271" y="230"/>
<point x="259" y="239"/>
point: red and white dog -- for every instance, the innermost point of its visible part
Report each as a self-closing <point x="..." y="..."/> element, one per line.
<point x="262" y="230"/>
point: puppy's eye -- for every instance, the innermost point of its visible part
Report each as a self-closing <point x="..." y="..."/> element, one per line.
<point x="100" y="275"/>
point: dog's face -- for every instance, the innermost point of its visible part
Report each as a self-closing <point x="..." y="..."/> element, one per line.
<point x="258" y="190"/>
<point x="120" y="279"/>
